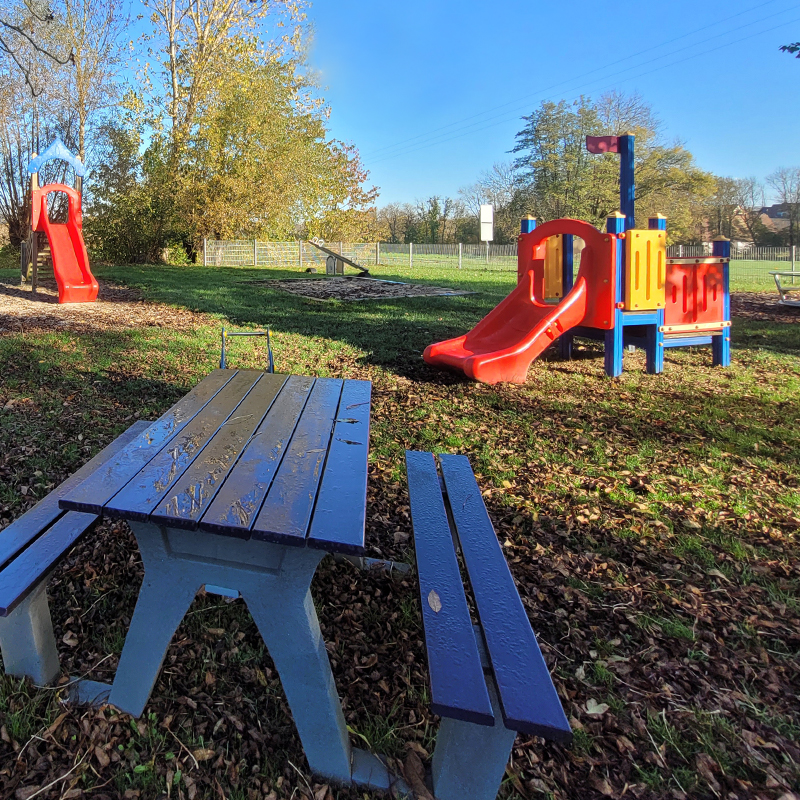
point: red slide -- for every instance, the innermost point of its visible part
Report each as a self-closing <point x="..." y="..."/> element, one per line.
<point x="76" y="284"/>
<point x="503" y="344"/>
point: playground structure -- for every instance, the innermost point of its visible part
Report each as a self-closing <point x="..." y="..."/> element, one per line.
<point x="68" y="254"/>
<point x="335" y="262"/>
<point x="627" y="293"/>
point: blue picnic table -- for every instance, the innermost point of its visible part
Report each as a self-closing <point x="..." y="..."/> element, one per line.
<point x="242" y="488"/>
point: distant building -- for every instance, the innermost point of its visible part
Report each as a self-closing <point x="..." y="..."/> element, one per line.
<point x="775" y="217"/>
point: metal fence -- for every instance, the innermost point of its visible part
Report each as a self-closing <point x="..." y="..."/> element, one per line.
<point x="751" y="265"/>
<point x="248" y="252"/>
<point x="502" y="257"/>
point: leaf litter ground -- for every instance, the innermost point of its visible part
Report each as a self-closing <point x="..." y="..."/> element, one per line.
<point x="650" y="523"/>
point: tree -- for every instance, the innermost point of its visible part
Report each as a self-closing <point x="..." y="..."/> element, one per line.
<point x="559" y="178"/>
<point x="31" y="31"/>
<point x="749" y="197"/>
<point x="785" y="181"/>
<point x="500" y="187"/>
<point x="197" y="42"/>
<point x="94" y="27"/>
<point x="793" y="48"/>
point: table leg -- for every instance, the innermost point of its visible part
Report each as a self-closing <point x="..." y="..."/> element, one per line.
<point x="27" y="642"/>
<point x="274" y="582"/>
<point x="163" y="602"/>
<point x="470" y="760"/>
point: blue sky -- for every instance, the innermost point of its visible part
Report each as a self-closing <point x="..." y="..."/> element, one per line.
<point x="432" y="93"/>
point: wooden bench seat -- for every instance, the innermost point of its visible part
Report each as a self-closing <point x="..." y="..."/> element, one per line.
<point x="30" y="548"/>
<point x="488" y="681"/>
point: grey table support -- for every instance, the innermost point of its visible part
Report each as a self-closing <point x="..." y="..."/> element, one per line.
<point x="274" y="581"/>
<point x="470" y="760"/>
<point x="27" y="641"/>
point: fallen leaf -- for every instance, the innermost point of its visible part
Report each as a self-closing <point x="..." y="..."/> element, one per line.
<point x="595" y="708"/>
<point x="415" y="775"/>
<point x="434" y="601"/>
<point x="203" y="753"/>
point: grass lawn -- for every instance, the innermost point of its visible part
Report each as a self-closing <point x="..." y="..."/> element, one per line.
<point x="651" y="524"/>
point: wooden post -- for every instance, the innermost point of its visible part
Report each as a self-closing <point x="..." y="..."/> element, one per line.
<point x="459" y="255"/>
<point x="300" y="253"/>
<point x="35" y="261"/>
<point x="378" y="253"/>
<point x="255" y="252"/>
<point x="410" y="255"/>
<point x="205" y="252"/>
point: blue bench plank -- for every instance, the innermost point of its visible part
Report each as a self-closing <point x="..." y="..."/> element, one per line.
<point x="458" y="687"/>
<point x="339" y="515"/>
<point x="139" y="497"/>
<point x="527" y="696"/>
<point x="234" y="509"/>
<point x="26" y="571"/>
<point x="91" y="495"/>
<point x="286" y="512"/>
<point x="193" y="493"/>
<point x="23" y="530"/>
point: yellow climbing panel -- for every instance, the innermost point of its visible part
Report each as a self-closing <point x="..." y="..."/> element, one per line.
<point x="645" y="269"/>
<point x="553" y="271"/>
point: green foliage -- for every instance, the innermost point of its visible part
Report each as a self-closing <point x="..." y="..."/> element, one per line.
<point x="559" y="178"/>
<point x="257" y="163"/>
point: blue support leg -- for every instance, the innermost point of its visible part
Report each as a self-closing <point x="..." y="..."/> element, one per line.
<point x="721" y="345"/>
<point x="27" y="641"/>
<point x="469" y="760"/>
<point x="721" y="349"/>
<point x="614" y="348"/>
<point x="655" y="346"/>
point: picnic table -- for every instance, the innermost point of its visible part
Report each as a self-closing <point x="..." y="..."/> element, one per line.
<point x="242" y="488"/>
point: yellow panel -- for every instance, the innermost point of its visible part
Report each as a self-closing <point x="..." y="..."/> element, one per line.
<point x="553" y="271"/>
<point x="645" y="269"/>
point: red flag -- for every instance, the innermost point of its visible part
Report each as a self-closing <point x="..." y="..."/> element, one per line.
<point x="602" y="144"/>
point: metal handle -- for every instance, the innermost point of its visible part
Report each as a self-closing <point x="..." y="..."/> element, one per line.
<point x="226" y="334"/>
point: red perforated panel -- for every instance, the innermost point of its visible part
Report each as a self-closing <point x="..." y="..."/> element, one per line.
<point x="694" y="294"/>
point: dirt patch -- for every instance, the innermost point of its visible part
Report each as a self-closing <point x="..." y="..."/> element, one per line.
<point x="116" y="308"/>
<point x="355" y="288"/>
<point x="763" y="306"/>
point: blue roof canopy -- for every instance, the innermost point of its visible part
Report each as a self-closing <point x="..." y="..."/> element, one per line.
<point x="57" y="150"/>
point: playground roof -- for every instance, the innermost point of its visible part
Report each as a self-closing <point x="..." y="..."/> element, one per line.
<point x="57" y="150"/>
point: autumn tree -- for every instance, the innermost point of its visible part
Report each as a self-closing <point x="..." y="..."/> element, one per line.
<point x="559" y="178"/>
<point x="785" y="182"/>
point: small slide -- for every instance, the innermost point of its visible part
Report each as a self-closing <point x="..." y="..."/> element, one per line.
<point x="503" y="344"/>
<point x="76" y="284"/>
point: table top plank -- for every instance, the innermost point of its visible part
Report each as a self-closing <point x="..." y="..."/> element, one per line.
<point x="286" y="512"/>
<point x="197" y="487"/>
<point x="139" y="497"/>
<point x="527" y="697"/>
<point x="94" y="492"/>
<point x="233" y="511"/>
<point x="339" y="515"/>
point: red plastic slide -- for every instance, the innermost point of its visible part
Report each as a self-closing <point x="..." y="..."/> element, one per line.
<point x="503" y="344"/>
<point x="76" y="284"/>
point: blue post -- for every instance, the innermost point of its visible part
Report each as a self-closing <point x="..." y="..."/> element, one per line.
<point x="565" y="340"/>
<point x="655" y="336"/>
<point x="721" y="345"/>
<point x="613" y="338"/>
<point x="655" y="346"/>
<point x="528" y="224"/>
<point x="627" y="189"/>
